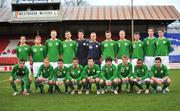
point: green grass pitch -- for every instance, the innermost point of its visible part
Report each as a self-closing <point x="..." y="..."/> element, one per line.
<point x="92" y="102"/>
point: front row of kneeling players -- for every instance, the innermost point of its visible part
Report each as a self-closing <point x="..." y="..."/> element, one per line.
<point x="109" y="77"/>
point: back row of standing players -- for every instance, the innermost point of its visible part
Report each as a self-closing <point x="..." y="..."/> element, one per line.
<point x="82" y="48"/>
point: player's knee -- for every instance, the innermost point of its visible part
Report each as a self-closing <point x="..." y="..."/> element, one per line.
<point x="168" y="80"/>
<point x="115" y="81"/>
<point x="84" y="80"/>
<point x="18" y="81"/>
<point x="97" y="80"/>
<point x="151" y="81"/>
<point x="131" y="79"/>
<point x="11" y="80"/>
<point x="67" y="82"/>
<point x="101" y="81"/>
<point x="92" y="81"/>
<point x="51" y="82"/>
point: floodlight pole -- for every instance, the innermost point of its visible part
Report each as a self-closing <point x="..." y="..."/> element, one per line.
<point x="132" y="19"/>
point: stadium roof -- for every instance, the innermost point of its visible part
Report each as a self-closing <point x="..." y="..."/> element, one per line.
<point x="120" y="13"/>
<point x="110" y="13"/>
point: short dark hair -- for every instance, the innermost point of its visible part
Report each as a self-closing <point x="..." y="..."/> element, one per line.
<point x="107" y="31"/>
<point x="160" y="29"/>
<point x="140" y="60"/>
<point x="89" y="58"/>
<point x="108" y="59"/>
<point x="81" y="30"/>
<point x="158" y="59"/>
<point x="75" y="59"/>
<point x="53" y="31"/>
<point x="67" y="31"/>
<point x="21" y="60"/>
<point x="137" y="33"/>
<point x="151" y="28"/>
<point x="60" y="60"/>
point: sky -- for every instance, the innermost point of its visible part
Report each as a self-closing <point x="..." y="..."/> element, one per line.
<point x="176" y="3"/>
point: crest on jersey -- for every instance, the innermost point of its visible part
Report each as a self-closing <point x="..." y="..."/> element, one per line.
<point x="71" y="44"/>
<point x="35" y="50"/>
<point x="64" y="45"/>
<point x="105" y="45"/>
<point x="134" y="45"/>
<point x="25" y="48"/>
<point x="162" y="71"/>
<point x="112" y="44"/>
<point x="125" y="44"/>
<point x="57" y="43"/>
<point x="140" y="45"/>
<point x="147" y="42"/>
<point x="50" y="44"/>
<point x="119" y="45"/>
<point x="164" y="42"/>
<point x="127" y="68"/>
<point x="19" y="50"/>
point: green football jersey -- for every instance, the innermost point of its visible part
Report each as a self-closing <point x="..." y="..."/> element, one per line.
<point x="141" y="72"/>
<point x="46" y="72"/>
<point x="108" y="49"/>
<point x="163" y="47"/>
<point x="19" y="72"/>
<point x="38" y="53"/>
<point x="61" y="73"/>
<point x="93" y="72"/>
<point x="23" y="52"/>
<point x="76" y="73"/>
<point x="159" y="72"/>
<point x="108" y="73"/>
<point x="68" y="50"/>
<point x="53" y="49"/>
<point x="138" y="50"/>
<point x="150" y="46"/>
<point x="124" y="71"/>
<point x="124" y="47"/>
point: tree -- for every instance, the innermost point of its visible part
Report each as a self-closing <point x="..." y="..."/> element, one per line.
<point x="75" y="3"/>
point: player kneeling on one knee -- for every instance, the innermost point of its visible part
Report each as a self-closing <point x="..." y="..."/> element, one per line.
<point x="108" y="75"/>
<point x="76" y="76"/>
<point x="45" y="76"/>
<point x="91" y="73"/>
<point x="141" y="76"/>
<point x="61" y="76"/>
<point x="159" y="76"/>
<point x="124" y="73"/>
<point x="20" y="75"/>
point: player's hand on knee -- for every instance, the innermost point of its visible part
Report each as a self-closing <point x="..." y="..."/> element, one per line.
<point x="18" y="81"/>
